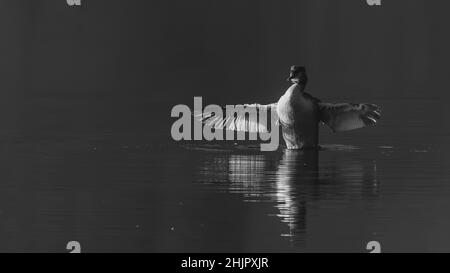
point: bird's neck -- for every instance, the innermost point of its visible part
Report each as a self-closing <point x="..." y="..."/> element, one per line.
<point x="299" y="86"/>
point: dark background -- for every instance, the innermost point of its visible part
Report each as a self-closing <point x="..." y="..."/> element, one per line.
<point x="85" y="90"/>
<point x="123" y="64"/>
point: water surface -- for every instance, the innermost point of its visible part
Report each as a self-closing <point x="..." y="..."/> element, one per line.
<point x="127" y="191"/>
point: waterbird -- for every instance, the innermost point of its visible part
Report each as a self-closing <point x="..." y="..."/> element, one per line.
<point x="299" y="115"/>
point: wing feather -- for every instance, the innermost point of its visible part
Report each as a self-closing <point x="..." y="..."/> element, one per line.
<point x="349" y="116"/>
<point x="242" y="120"/>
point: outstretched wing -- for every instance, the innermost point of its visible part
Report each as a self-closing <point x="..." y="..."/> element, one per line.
<point x="348" y="116"/>
<point x="253" y="118"/>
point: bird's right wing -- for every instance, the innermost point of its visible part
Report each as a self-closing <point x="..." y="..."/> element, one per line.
<point x="253" y="118"/>
<point x="348" y="116"/>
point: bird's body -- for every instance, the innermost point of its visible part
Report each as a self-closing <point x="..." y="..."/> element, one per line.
<point x="299" y="117"/>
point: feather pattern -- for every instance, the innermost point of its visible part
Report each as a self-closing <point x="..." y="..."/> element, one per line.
<point x="349" y="116"/>
<point x="242" y="121"/>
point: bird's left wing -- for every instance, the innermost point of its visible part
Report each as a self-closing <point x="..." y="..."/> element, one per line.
<point x="253" y="118"/>
<point x="348" y="116"/>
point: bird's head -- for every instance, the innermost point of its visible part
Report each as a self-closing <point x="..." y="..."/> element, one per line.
<point x="298" y="75"/>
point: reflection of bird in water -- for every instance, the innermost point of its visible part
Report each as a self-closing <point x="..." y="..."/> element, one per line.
<point x="291" y="181"/>
<point x="297" y="175"/>
<point x="247" y="174"/>
<point x="299" y="115"/>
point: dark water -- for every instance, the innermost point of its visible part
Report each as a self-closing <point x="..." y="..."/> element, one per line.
<point x="129" y="191"/>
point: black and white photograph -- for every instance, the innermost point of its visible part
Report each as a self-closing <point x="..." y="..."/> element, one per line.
<point x="246" y="127"/>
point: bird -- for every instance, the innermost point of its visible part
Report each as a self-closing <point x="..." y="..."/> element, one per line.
<point x="299" y="114"/>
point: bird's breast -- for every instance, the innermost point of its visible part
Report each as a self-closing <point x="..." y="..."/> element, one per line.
<point x="295" y="107"/>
